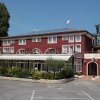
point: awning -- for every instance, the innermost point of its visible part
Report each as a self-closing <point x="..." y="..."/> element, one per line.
<point x="34" y="56"/>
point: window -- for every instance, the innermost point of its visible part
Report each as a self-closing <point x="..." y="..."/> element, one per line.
<point x="78" y="48"/>
<point x="65" y="49"/>
<point x="64" y="38"/>
<point x="36" y="51"/>
<point x="78" y="65"/>
<point x="21" y="51"/>
<point x="36" y="40"/>
<point x="4" y="43"/>
<point x="22" y="41"/>
<point x="12" y="49"/>
<point x="71" y="49"/>
<point x="71" y="38"/>
<point x="51" y="51"/>
<point x="8" y="50"/>
<point x="8" y="42"/>
<point x="52" y="39"/>
<point x="78" y="38"/>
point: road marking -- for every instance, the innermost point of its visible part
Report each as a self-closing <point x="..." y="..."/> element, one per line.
<point x="61" y="98"/>
<point x="88" y="95"/>
<point x="32" y="96"/>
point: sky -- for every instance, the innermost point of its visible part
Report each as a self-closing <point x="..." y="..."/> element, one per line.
<point x="36" y="15"/>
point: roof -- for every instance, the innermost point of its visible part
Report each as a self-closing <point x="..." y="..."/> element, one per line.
<point x="50" y="31"/>
<point x="47" y="32"/>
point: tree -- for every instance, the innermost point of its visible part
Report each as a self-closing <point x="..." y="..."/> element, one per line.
<point x="54" y="64"/>
<point x="4" y="20"/>
<point x="60" y="64"/>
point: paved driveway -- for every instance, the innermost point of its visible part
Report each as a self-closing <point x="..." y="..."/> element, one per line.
<point x="75" y="90"/>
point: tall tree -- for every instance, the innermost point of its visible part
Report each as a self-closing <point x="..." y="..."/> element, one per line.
<point x="4" y="20"/>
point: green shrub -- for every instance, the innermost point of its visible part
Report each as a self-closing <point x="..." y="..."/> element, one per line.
<point x="15" y="72"/>
<point x="48" y="75"/>
<point x="3" y="71"/>
<point x="25" y="74"/>
<point x="59" y="75"/>
<point x="67" y="73"/>
<point x="18" y="72"/>
<point x="36" y="74"/>
<point x="10" y="72"/>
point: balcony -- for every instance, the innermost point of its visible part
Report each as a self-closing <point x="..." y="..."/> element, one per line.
<point x="34" y="56"/>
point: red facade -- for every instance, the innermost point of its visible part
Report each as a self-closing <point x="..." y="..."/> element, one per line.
<point x="43" y="45"/>
<point x="63" y="42"/>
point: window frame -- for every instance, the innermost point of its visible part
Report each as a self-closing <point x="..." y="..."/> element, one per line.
<point x="76" y="40"/>
<point x="64" y="39"/>
<point x="23" y="42"/>
<point x="71" y="41"/>
<point x="71" y="52"/>
<point x="52" y="39"/>
<point x="8" y="50"/>
<point x="64" y="51"/>
<point x="76" y="48"/>
<point x="4" y="42"/>
<point x="36" y="39"/>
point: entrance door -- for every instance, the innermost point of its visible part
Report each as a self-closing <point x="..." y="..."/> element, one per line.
<point x="92" y="69"/>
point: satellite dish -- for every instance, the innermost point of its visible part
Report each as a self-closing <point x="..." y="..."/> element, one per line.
<point x="68" y="21"/>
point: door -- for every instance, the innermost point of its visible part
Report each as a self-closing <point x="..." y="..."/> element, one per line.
<point x="92" y="69"/>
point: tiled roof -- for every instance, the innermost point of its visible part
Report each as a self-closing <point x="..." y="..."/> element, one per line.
<point x="51" y="31"/>
<point x="46" y="32"/>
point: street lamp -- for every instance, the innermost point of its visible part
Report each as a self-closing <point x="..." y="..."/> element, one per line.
<point x="73" y="63"/>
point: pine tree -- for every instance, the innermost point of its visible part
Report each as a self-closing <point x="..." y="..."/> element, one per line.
<point x="4" y="20"/>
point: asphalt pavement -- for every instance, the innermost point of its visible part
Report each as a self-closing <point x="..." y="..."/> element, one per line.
<point x="74" y="90"/>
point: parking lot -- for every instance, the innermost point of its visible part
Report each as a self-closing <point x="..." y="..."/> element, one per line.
<point x="75" y="90"/>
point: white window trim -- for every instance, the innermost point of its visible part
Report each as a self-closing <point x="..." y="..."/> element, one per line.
<point x="71" y="40"/>
<point x="76" y="38"/>
<point x="4" y="43"/>
<point x="36" y="39"/>
<point x="8" y="50"/>
<point x="63" y="51"/>
<point x="78" y="68"/>
<point x="22" y="42"/>
<point x="65" y="36"/>
<point x="8" y="43"/>
<point x="52" y="42"/>
<point x="76" y="47"/>
<point x="19" y="51"/>
<point x="70" y="48"/>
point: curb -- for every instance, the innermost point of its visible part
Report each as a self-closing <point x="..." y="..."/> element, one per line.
<point x="37" y="81"/>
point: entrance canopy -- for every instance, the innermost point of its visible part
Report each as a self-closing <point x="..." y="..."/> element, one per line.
<point x="34" y="56"/>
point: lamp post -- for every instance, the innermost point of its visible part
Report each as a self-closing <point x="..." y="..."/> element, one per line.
<point x="73" y="63"/>
<point x="72" y="59"/>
